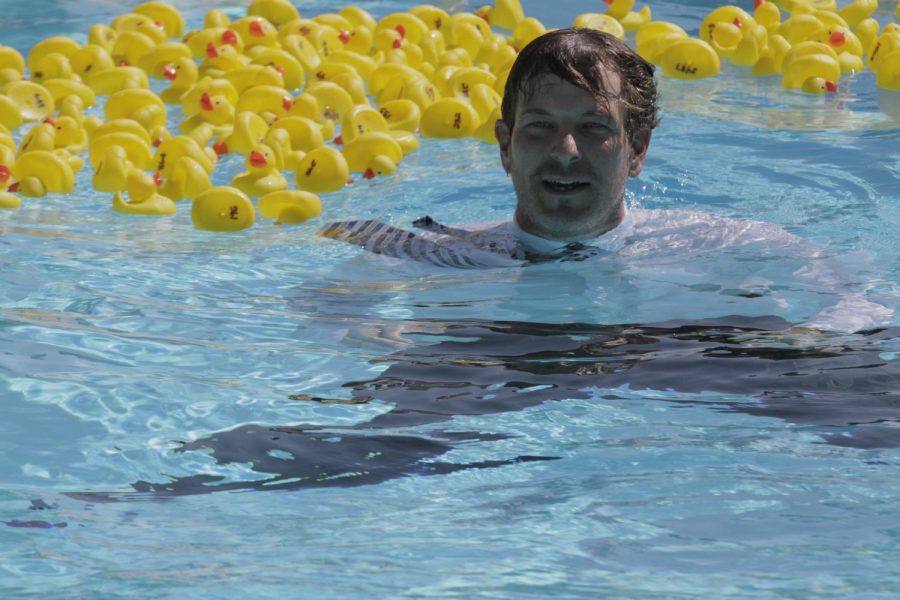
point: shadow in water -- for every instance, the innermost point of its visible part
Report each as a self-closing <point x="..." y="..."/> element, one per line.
<point x="848" y="382"/>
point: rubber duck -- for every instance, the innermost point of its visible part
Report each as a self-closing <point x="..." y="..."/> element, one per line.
<point x="186" y="178"/>
<point x="249" y="130"/>
<point x="56" y="44"/>
<point x="600" y="22"/>
<point x="222" y="208"/>
<point x="636" y="18"/>
<point x="857" y="11"/>
<point x="154" y="62"/>
<point x="528" y="29"/>
<point x="135" y="147"/>
<point x="653" y="38"/>
<point x="434" y="17"/>
<point x="322" y="170"/>
<point x="373" y="153"/>
<point x="100" y="34"/>
<point x="109" y="81"/>
<point x="40" y="172"/>
<point x="10" y="58"/>
<point x="51" y="66"/>
<point x="262" y="175"/>
<point x="888" y="74"/>
<point x="130" y="46"/>
<point x="246" y="77"/>
<point x="407" y="140"/>
<point x="290" y="207"/>
<point x="505" y="13"/>
<point x="60" y="89"/>
<point x="690" y="58"/>
<point x="9" y="201"/>
<point x="111" y="172"/>
<point x="143" y="197"/>
<point x="772" y="57"/>
<point x="279" y="140"/>
<point x="168" y="154"/>
<point x="163" y="14"/>
<point x="142" y="24"/>
<point x="137" y="104"/>
<point x="303" y="50"/>
<point x="41" y="136"/>
<point x="277" y="12"/>
<point x="191" y="100"/>
<point x="867" y="33"/>
<point x="183" y="73"/>
<point x="90" y="59"/>
<point x="817" y="85"/>
<point x="887" y="42"/>
<point x="284" y="64"/>
<point x="359" y="120"/>
<point x="767" y="14"/>
<point x="809" y="59"/>
<point x="33" y="101"/>
<point x="449" y="118"/>
<point x="303" y="134"/>
<point x="401" y="114"/>
<point x="265" y="98"/>
<point x="201" y="41"/>
<point x="256" y="31"/>
<point x="70" y="135"/>
<point x="97" y="128"/>
<point x="215" y="111"/>
<point x="221" y="59"/>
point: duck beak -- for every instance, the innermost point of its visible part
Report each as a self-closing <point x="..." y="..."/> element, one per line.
<point x="258" y="159"/>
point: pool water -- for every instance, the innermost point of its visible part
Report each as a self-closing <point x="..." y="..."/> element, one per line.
<point x="270" y="413"/>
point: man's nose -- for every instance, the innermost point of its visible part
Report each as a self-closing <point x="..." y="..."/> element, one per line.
<point x="565" y="150"/>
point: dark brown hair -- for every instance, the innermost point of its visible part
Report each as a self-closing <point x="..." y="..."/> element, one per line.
<point x="576" y="55"/>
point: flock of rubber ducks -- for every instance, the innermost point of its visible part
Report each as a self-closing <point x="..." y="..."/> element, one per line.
<point x="340" y="95"/>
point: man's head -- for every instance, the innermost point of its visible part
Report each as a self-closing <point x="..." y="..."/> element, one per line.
<point x="577" y="113"/>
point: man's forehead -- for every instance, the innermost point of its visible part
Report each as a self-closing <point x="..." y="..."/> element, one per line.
<point x="548" y="86"/>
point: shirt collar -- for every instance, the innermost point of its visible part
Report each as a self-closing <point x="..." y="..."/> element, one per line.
<point x="611" y="241"/>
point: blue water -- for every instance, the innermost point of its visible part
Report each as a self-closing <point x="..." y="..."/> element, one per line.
<point x="662" y="473"/>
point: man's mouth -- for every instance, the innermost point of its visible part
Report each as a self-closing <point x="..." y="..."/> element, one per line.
<point x="565" y="185"/>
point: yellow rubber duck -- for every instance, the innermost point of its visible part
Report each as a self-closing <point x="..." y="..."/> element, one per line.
<point x="115" y="79"/>
<point x="111" y="172"/>
<point x="265" y="98"/>
<point x="244" y="78"/>
<point x="256" y="31"/>
<point x="304" y="134"/>
<point x="322" y="170"/>
<point x="70" y="135"/>
<point x="277" y="12"/>
<point x="817" y="85"/>
<point x="10" y="115"/>
<point x="182" y="73"/>
<point x="401" y="114"/>
<point x="135" y="22"/>
<point x="262" y="175"/>
<point x="187" y="179"/>
<point x="505" y="13"/>
<point x="283" y="63"/>
<point x="221" y="59"/>
<point x="137" y="104"/>
<point x="51" y="66"/>
<point x="249" y="130"/>
<point x="690" y="58"/>
<point x="600" y="22"/>
<point x="809" y="59"/>
<point x="857" y="11"/>
<point x="191" y="100"/>
<point x="40" y="137"/>
<point x="9" y="201"/>
<point x="888" y="74"/>
<point x="61" y="89"/>
<point x="40" y="172"/>
<point x="215" y="111"/>
<point x="33" y="101"/>
<point x="56" y="44"/>
<point x="449" y="118"/>
<point x="222" y="208"/>
<point x="130" y="46"/>
<point x="10" y="58"/>
<point x="143" y="197"/>
<point x="373" y="154"/>
<point x="165" y="15"/>
<point x="279" y="140"/>
<point x="290" y="207"/>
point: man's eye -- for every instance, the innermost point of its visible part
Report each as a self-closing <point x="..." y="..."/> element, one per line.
<point x="595" y="125"/>
<point x="540" y="124"/>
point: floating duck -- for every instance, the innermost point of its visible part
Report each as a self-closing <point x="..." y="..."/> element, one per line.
<point x="9" y="201"/>
<point x="60" y="89"/>
<point x="154" y="62"/>
<point x="767" y="14"/>
<point x="138" y="23"/>
<point x="401" y="114"/>
<point x="290" y="207"/>
<point x="143" y="197"/>
<point x="33" y="101"/>
<point x="163" y="14"/>
<point x="373" y="153"/>
<point x="288" y="67"/>
<point x="183" y="74"/>
<point x="277" y="12"/>
<point x="304" y="134"/>
<point x="10" y="113"/>
<point x="653" y="38"/>
<point x="449" y="118"/>
<point x="887" y="42"/>
<point x="40" y="172"/>
<point x="279" y="140"/>
<point x="111" y="172"/>
<point x="249" y="130"/>
<point x="262" y="175"/>
<point x="201" y="41"/>
<point x="322" y="170"/>
<point x="52" y="45"/>
<point x="116" y="79"/>
<point x="817" y="85"/>
<point x="70" y="135"/>
<point x="246" y="77"/>
<point x="221" y="59"/>
<point x="600" y="22"/>
<point x="265" y="98"/>
<point x="215" y="111"/>
<point x="137" y="104"/>
<point x="130" y="46"/>
<point x="51" y="66"/>
<point x="10" y="58"/>
<point x="136" y="149"/>
<point x="888" y="74"/>
<point x="187" y="179"/>
<point x="505" y="13"/>
<point x="690" y="58"/>
<point x="191" y="100"/>
<point x="303" y="50"/>
<point x="359" y="120"/>
<point x="858" y="11"/>
<point x="40" y="137"/>
<point x="102" y="35"/>
<point x="222" y="208"/>
<point x="809" y="59"/>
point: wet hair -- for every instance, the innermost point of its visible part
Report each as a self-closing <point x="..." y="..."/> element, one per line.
<point x="576" y="55"/>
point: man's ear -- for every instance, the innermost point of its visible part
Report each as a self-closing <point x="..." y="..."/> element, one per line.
<point x="504" y="138"/>
<point x="640" y="143"/>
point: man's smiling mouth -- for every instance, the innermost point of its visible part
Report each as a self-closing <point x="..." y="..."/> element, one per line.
<point x="565" y="185"/>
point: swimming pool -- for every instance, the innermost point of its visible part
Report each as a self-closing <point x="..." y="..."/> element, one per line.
<point x="374" y="429"/>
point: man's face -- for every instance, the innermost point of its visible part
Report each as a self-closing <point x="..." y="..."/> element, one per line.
<point x="569" y="158"/>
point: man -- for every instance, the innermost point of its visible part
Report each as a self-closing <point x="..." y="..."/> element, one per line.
<point x="577" y="115"/>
